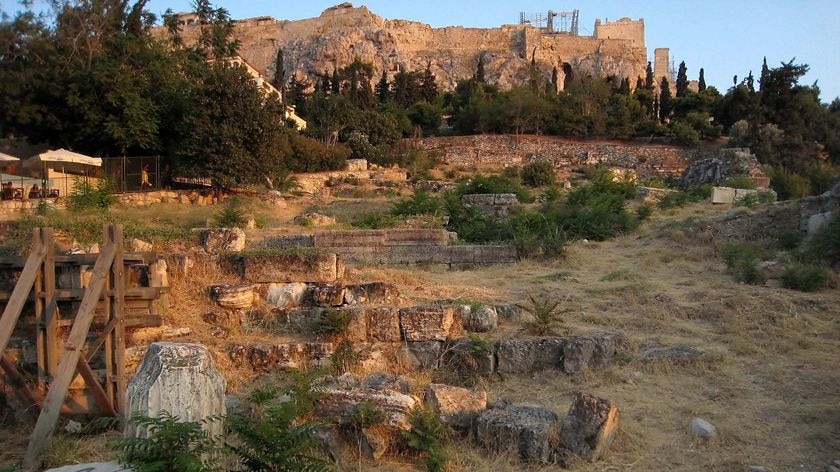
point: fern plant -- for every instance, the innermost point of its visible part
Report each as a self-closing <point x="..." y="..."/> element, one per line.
<point x="547" y="313"/>
<point x="170" y="445"/>
<point x="276" y="436"/>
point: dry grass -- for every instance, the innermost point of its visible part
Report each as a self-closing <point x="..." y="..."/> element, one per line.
<point x="769" y="379"/>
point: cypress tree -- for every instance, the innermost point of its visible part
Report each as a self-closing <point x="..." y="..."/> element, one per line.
<point x="702" y="80"/>
<point x="479" y="71"/>
<point x="335" y="82"/>
<point x="428" y="84"/>
<point x="649" y="77"/>
<point x="682" y="80"/>
<point x="383" y="88"/>
<point x="665" y="103"/>
<point x="279" y="72"/>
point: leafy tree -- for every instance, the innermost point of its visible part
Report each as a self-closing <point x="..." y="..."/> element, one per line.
<point x="296" y="93"/>
<point x="407" y="88"/>
<point x="425" y="115"/>
<point x="682" y="80"/>
<point x="356" y="81"/>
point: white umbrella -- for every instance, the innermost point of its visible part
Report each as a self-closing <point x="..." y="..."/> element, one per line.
<point x="6" y="159"/>
<point x="62" y="158"/>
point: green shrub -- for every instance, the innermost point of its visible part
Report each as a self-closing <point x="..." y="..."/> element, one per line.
<point x="375" y="221"/>
<point x="789" y="240"/>
<point x="421" y="203"/>
<point x="787" y="184"/>
<point x="741" y="181"/>
<point x="534" y="234"/>
<point x="495" y="184"/>
<point x="231" y="216"/>
<point x="806" y="277"/>
<point x="344" y="358"/>
<point x="277" y="435"/>
<point x="548" y="315"/>
<point x="644" y="211"/>
<point x="742" y="259"/>
<point x="684" y="135"/>
<point x="752" y="200"/>
<point x="332" y="322"/>
<point x="655" y="182"/>
<point x="88" y="196"/>
<point x="538" y="174"/>
<point x="428" y="436"/>
<point x="823" y="247"/>
<point x="171" y="445"/>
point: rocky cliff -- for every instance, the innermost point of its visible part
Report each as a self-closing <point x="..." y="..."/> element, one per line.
<point x="343" y="33"/>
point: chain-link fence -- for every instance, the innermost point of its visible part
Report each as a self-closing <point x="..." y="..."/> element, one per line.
<point x="135" y="174"/>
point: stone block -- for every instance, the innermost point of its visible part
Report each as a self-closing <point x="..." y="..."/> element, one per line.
<point x="816" y="222"/>
<point x="372" y="293"/>
<point x="520" y="356"/>
<point x="531" y="432"/>
<point x="93" y="467"/>
<point x="426" y="323"/>
<point x="340" y="404"/>
<point x="180" y="379"/>
<point x="293" y="267"/>
<point x="326" y="295"/>
<point x="592" y="352"/>
<point x="465" y="357"/>
<point x="354" y="165"/>
<point x="589" y="428"/>
<point x="235" y="297"/>
<point x="674" y="354"/>
<point x="422" y="355"/>
<point x="287" y="295"/>
<point x="457" y="406"/>
<point x="265" y="357"/>
<point x="382" y="324"/>
<point x="723" y="195"/>
<point x="222" y="240"/>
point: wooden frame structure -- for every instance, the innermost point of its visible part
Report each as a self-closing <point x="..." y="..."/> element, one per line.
<point x="96" y="333"/>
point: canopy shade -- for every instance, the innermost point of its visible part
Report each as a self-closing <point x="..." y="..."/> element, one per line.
<point x="62" y="156"/>
<point x="6" y="159"/>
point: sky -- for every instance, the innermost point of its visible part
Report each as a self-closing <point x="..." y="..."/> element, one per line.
<point x="725" y="37"/>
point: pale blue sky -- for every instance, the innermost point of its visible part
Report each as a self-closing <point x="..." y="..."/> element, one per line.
<point x="726" y="37"/>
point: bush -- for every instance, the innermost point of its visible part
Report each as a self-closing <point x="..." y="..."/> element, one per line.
<point x="823" y="247"/>
<point x="742" y="259"/>
<point x="428" y="436"/>
<point x="495" y="184"/>
<point x="375" y="221"/>
<point x="171" y="446"/>
<point x="644" y="211"/>
<point x="534" y="234"/>
<point x="753" y="200"/>
<point x="742" y="181"/>
<point x="538" y="174"/>
<point x="684" y="135"/>
<point x="88" y="196"/>
<point x="805" y="277"/>
<point x="332" y="322"/>
<point x="231" y="217"/>
<point x="276" y="435"/>
<point x="788" y="185"/>
<point x="421" y="203"/>
<point x="344" y="358"/>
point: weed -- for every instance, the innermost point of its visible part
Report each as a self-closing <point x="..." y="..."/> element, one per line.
<point x="547" y="313"/>
<point x="644" y="211"/>
<point x="428" y="436"/>
<point x="344" y="358"/>
<point x="622" y="274"/>
<point x="741" y="181"/>
<point x="742" y="259"/>
<point x="806" y="277"/>
<point x="332" y="322"/>
<point x="231" y="217"/>
<point x="752" y="200"/>
<point x="88" y="196"/>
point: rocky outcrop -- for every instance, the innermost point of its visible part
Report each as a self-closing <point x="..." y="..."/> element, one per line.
<point x="180" y="379"/>
<point x="719" y="168"/>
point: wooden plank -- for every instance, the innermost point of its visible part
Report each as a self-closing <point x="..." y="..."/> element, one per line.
<point x="12" y="262"/>
<point x="92" y="383"/>
<point x="71" y="294"/>
<point x="118" y="275"/>
<point x="107" y="309"/>
<point x="101" y="339"/>
<point x="20" y="294"/>
<point x="18" y="382"/>
<point x="69" y="360"/>
<point x="40" y="319"/>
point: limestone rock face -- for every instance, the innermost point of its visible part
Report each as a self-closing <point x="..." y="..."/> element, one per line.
<point x="181" y="379"/>
<point x="236" y="297"/>
<point x="590" y="426"/>
<point x="426" y="323"/>
<point x="457" y="406"/>
<point x="529" y="431"/>
<point x="519" y="356"/>
<point x="222" y="240"/>
<point x="728" y="163"/>
<point x="423" y="355"/>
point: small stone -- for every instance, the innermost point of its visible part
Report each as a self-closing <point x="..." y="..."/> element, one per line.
<point x="138" y="245"/>
<point x="73" y="427"/>
<point x="483" y="319"/>
<point x="286" y="295"/>
<point x="92" y="467"/>
<point x="681" y="352"/>
<point x="702" y="428"/>
<point x="236" y="297"/>
<point x="589" y="428"/>
<point x="757" y="468"/>
<point x="170" y="333"/>
<point x="374" y="442"/>
<point x="222" y="240"/>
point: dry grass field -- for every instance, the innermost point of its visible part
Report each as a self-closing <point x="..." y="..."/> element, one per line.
<point x="769" y="379"/>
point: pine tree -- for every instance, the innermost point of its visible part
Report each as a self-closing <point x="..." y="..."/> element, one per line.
<point x="665" y="103"/>
<point x="479" y="71"/>
<point x="649" y="81"/>
<point x="702" y="80"/>
<point x="682" y="80"/>
<point x="383" y="88"/>
<point x="764" y="72"/>
<point x="750" y="82"/>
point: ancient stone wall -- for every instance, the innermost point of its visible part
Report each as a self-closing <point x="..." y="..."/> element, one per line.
<point x="624" y="29"/>
<point x="510" y="150"/>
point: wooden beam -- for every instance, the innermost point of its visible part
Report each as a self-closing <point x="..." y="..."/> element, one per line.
<point x="11" y="313"/>
<point x="118" y="313"/>
<point x="18" y="381"/>
<point x="51" y="408"/>
<point x="71" y="294"/>
<point x="106" y="331"/>
<point x="92" y="383"/>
